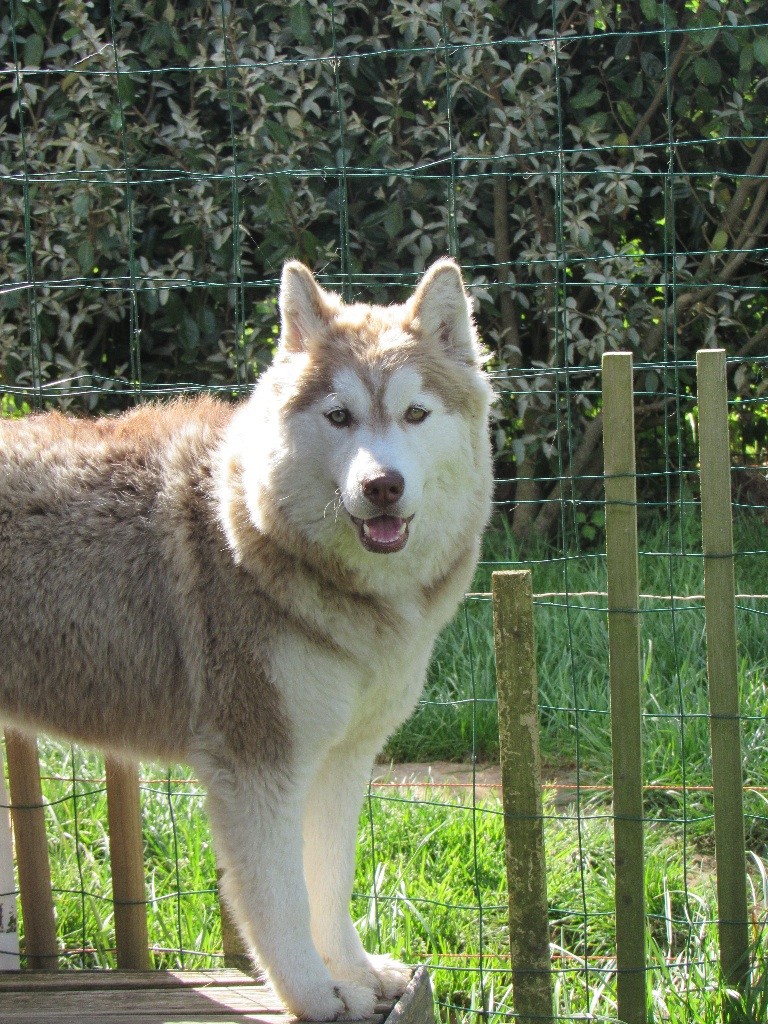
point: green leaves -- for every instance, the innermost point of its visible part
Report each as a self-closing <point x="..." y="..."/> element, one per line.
<point x="126" y="89"/>
<point x="708" y="70"/>
<point x="34" y="47"/>
<point x="650" y="9"/>
<point x="760" y="48"/>
<point x="586" y="98"/>
<point x="85" y="257"/>
<point x="247" y="142"/>
<point x="393" y="219"/>
<point x="300" y="21"/>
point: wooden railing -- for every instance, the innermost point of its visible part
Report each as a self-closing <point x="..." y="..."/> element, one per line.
<point x="126" y="849"/>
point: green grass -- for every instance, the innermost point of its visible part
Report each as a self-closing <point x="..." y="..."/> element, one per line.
<point x="430" y="888"/>
<point x="430" y="884"/>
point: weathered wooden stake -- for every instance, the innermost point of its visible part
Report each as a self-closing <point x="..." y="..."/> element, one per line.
<point x="720" y="611"/>
<point x="31" y="842"/>
<point x="126" y="851"/>
<point x="521" y="790"/>
<point x="9" y="914"/>
<point x="625" y="684"/>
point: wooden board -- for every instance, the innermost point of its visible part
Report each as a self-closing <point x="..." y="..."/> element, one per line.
<point x="165" y="997"/>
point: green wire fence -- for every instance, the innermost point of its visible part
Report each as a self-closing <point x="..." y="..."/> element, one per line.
<point x="600" y="170"/>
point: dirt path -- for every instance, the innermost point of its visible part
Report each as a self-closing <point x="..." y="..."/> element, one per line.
<point x="458" y="779"/>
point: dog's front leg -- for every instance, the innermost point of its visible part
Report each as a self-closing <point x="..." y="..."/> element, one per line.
<point x="330" y="834"/>
<point x="258" y="832"/>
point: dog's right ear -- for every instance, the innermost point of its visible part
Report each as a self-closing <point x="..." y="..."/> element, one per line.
<point x="440" y="309"/>
<point x="304" y="307"/>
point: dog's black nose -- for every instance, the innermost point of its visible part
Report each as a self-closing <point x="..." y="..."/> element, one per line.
<point x="384" y="489"/>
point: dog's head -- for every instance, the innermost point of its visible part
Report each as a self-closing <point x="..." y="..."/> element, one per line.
<point x="378" y="438"/>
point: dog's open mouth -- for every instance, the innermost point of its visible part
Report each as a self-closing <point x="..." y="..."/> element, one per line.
<point x="383" y="534"/>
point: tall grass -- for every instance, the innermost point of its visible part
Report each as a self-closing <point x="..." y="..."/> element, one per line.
<point x="442" y="900"/>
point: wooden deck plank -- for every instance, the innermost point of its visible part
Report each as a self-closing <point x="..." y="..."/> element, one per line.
<point x="153" y="1015"/>
<point x="170" y="997"/>
<point x="138" y="1001"/>
<point x="18" y="981"/>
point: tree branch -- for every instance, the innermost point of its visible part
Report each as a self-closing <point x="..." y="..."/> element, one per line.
<point x="754" y="225"/>
<point x="755" y="342"/>
<point x="509" y="335"/>
<point x="590" y="442"/>
<point x="661" y="92"/>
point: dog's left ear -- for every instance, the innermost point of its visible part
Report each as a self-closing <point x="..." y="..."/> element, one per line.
<point x="441" y="310"/>
<point x="305" y="309"/>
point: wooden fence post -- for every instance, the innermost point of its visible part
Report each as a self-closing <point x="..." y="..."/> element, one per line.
<point x="720" y="612"/>
<point x="126" y="851"/>
<point x="521" y="791"/>
<point x="625" y="684"/>
<point x="40" y="943"/>
<point x="9" y="915"/>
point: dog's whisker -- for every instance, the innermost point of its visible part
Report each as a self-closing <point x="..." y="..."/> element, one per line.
<point x="336" y="503"/>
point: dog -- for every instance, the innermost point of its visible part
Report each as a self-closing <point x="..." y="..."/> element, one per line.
<point x="255" y="590"/>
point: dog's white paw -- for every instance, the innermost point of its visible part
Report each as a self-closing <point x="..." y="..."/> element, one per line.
<point x="392" y="976"/>
<point x="359" y="1000"/>
<point x="381" y="973"/>
<point x="341" y="1000"/>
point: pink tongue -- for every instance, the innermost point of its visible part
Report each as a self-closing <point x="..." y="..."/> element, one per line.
<point x="384" y="529"/>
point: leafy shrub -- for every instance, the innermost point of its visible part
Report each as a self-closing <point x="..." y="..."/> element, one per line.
<point x="599" y="171"/>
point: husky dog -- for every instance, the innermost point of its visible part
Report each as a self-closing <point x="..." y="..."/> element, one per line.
<point x="256" y="590"/>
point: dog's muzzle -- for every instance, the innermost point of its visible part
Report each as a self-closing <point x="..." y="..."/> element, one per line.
<point x="386" y="532"/>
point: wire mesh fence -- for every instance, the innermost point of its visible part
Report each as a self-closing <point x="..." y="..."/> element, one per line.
<point x="600" y="171"/>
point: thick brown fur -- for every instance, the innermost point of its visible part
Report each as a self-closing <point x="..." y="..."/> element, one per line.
<point x="114" y="574"/>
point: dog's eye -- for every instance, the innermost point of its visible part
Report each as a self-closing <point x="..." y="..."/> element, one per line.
<point x="339" y="417"/>
<point x="415" y="414"/>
